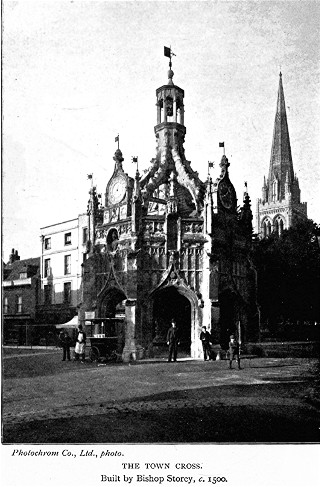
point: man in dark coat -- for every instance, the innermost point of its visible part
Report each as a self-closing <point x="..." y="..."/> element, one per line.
<point x="205" y="340"/>
<point x="234" y="351"/>
<point x="173" y="341"/>
<point x="65" y="341"/>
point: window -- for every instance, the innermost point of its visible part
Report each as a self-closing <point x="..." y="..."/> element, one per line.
<point x="278" y="225"/>
<point x="67" y="238"/>
<point x="47" y="267"/>
<point x="67" y="264"/>
<point x="47" y="294"/>
<point x="19" y="304"/>
<point x="67" y="292"/>
<point x="47" y="243"/>
<point x="5" y="306"/>
<point x="23" y="275"/>
<point x="84" y="235"/>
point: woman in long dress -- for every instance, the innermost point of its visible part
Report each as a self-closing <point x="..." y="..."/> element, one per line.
<point x="80" y="348"/>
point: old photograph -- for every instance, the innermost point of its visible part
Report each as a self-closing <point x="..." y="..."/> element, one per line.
<point x="160" y="242"/>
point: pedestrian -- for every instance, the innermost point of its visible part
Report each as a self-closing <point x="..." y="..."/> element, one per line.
<point x="79" y="350"/>
<point x="205" y="338"/>
<point x="234" y="351"/>
<point x="173" y="341"/>
<point x="65" y="341"/>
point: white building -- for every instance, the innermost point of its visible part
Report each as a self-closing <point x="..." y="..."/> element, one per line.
<point x="64" y="249"/>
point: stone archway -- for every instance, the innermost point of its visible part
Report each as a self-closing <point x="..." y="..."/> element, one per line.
<point x="178" y="303"/>
<point x="108" y="306"/>
<point x="108" y="301"/>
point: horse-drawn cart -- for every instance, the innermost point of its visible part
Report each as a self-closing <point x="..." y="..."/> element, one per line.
<point x="104" y="349"/>
<point x="106" y="339"/>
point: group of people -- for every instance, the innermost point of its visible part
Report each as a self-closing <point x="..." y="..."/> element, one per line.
<point x="173" y="341"/>
<point x="80" y="347"/>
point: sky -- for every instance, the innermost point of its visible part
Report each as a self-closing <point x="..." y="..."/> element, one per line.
<point x="77" y="73"/>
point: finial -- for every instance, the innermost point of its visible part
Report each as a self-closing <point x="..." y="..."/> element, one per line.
<point x="118" y="156"/>
<point x="170" y="76"/>
<point x="168" y="53"/>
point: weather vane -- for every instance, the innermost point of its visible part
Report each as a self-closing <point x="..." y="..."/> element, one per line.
<point x="168" y="53"/>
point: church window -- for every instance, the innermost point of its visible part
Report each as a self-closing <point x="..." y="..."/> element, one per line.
<point x="264" y="230"/>
<point x="268" y="228"/>
<point x="278" y="225"/>
<point x="281" y="226"/>
<point x="275" y="190"/>
<point x="67" y="292"/>
<point x="67" y="238"/>
<point x="67" y="264"/>
<point x="47" y="243"/>
<point x="5" y="306"/>
<point x="47" y="267"/>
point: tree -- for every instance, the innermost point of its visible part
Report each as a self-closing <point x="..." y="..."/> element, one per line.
<point x="288" y="269"/>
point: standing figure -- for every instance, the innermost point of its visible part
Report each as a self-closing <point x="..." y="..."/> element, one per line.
<point x="173" y="341"/>
<point x="79" y="350"/>
<point x="234" y="351"/>
<point x="65" y="341"/>
<point x="205" y="340"/>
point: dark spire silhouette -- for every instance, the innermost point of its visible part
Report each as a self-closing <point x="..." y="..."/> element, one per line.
<point x="281" y="158"/>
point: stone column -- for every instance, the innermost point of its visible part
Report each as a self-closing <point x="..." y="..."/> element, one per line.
<point x="182" y="115"/>
<point x="174" y="109"/>
<point x="158" y="113"/>
<point x="130" y="348"/>
<point x="164" y="110"/>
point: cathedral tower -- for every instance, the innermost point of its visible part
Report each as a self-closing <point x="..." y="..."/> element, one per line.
<point x="280" y="204"/>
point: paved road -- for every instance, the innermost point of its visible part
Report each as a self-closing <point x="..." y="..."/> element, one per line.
<point x="130" y="399"/>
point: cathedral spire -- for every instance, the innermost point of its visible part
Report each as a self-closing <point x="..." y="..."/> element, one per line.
<point x="281" y="158"/>
<point x="280" y="205"/>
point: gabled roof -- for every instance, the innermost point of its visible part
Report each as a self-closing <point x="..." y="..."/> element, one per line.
<point x="12" y="271"/>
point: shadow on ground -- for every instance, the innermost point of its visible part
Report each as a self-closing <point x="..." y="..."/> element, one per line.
<point x="226" y="414"/>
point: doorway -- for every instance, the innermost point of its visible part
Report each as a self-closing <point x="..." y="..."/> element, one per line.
<point x="170" y="304"/>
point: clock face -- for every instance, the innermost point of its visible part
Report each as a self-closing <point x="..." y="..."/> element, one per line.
<point x="226" y="194"/>
<point x="117" y="190"/>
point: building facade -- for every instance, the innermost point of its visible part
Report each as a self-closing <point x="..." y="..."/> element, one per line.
<point x="64" y="248"/>
<point x="168" y="246"/>
<point x="280" y="205"/>
<point x="21" y="284"/>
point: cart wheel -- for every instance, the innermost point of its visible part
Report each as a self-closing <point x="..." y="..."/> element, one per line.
<point x="94" y="354"/>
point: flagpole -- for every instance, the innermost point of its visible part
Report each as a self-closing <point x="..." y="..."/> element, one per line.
<point x="135" y="160"/>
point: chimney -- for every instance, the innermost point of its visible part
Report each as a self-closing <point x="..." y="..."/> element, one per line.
<point x="13" y="256"/>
